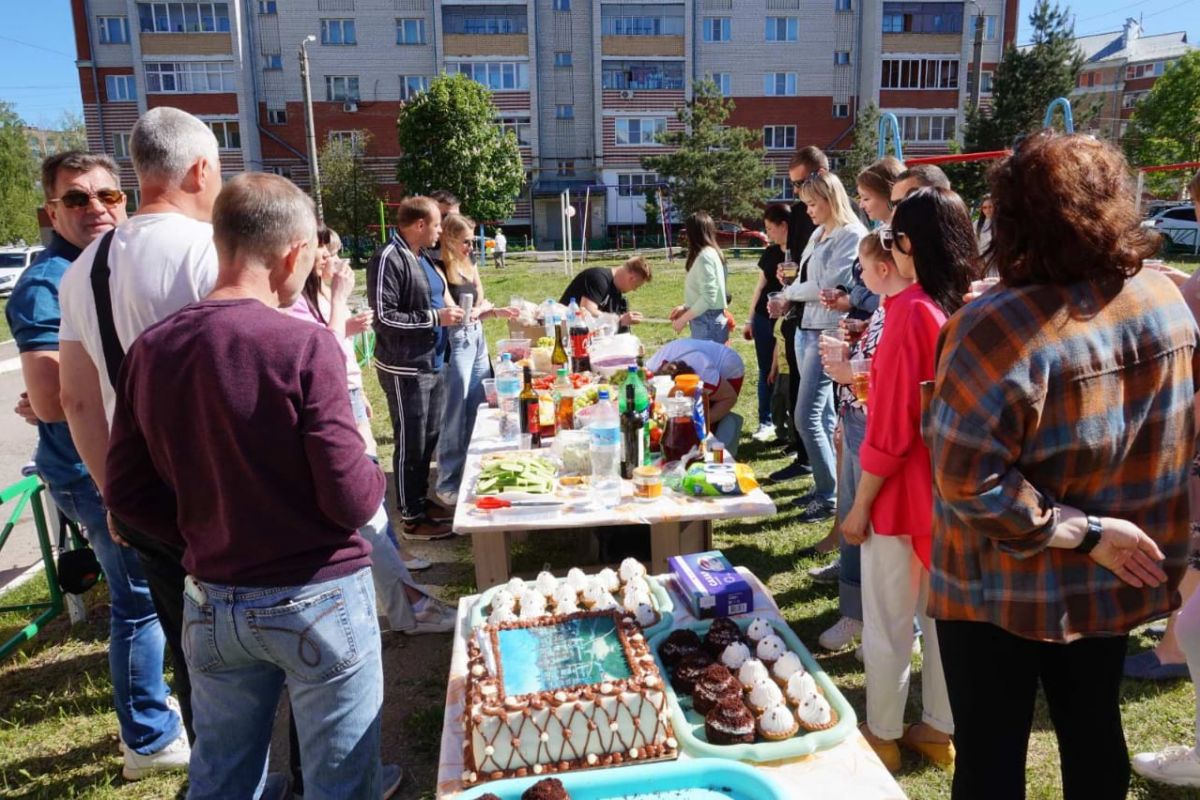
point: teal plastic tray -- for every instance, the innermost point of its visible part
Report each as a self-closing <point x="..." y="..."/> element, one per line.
<point x="689" y="726"/>
<point x="658" y="592"/>
<point x="694" y="779"/>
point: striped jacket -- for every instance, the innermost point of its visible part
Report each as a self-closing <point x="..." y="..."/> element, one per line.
<point x="1048" y="395"/>
<point x="406" y="324"/>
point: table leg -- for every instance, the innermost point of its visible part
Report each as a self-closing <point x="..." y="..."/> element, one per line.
<point x="493" y="564"/>
<point x="676" y="538"/>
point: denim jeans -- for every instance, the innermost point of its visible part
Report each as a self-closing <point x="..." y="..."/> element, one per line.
<point x="136" y="641"/>
<point x="244" y="644"/>
<point x="710" y="326"/>
<point x="388" y="572"/>
<point x="854" y="430"/>
<point x="729" y="430"/>
<point x="467" y="367"/>
<point x="762" y="328"/>
<point x="815" y="417"/>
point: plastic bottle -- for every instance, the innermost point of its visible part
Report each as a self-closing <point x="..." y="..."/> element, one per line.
<point x="605" y="449"/>
<point x="548" y="317"/>
<point x="508" y="394"/>
<point x="641" y="394"/>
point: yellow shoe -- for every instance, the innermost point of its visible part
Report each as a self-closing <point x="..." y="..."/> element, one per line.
<point x="887" y="749"/>
<point x="940" y="753"/>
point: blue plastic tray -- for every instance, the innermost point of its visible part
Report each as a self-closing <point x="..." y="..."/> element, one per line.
<point x="695" y="779"/>
<point x="689" y="726"/>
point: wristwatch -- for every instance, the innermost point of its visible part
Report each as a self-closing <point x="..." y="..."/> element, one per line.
<point x="1092" y="537"/>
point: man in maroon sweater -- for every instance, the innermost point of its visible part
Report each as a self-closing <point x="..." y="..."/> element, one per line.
<point x="233" y="436"/>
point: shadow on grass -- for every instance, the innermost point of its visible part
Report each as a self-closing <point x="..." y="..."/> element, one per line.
<point x="76" y="772"/>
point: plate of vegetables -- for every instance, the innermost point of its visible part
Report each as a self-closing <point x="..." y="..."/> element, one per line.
<point x="510" y="475"/>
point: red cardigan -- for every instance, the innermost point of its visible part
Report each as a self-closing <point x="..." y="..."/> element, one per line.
<point x="893" y="448"/>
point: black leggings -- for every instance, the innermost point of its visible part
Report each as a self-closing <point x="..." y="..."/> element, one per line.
<point x="992" y="677"/>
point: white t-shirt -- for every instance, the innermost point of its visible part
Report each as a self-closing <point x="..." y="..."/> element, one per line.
<point x="712" y="361"/>
<point x="501" y="243"/>
<point x="159" y="263"/>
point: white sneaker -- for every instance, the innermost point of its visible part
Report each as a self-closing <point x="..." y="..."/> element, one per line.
<point x="433" y="616"/>
<point x="1175" y="766"/>
<point x="842" y="634"/>
<point x="174" y="756"/>
<point x="765" y="433"/>
<point x="416" y="564"/>
<point x="172" y="703"/>
<point x="447" y="499"/>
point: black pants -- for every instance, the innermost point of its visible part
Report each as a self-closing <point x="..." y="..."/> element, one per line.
<point x="415" y="404"/>
<point x="787" y="329"/>
<point x="992" y="677"/>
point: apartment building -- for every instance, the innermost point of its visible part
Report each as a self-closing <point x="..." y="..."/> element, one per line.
<point x="1121" y="68"/>
<point x="586" y="85"/>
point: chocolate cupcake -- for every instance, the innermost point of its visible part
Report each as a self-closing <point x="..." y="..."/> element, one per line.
<point x="730" y="722"/>
<point x="546" y="789"/>
<point x="721" y="634"/>
<point x="688" y="671"/>
<point x="715" y="683"/>
<point x="680" y="643"/>
<point x="488" y="796"/>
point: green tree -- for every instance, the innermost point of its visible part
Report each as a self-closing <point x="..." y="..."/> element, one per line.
<point x="450" y="140"/>
<point x="19" y="198"/>
<point x="865" y="150"/>
<point x="653" y="212"/>
<point x="1024" y="84"/>
<point x="349" y="192"/>
<point x="1166" y="126"/>
<point x="74" y="132"/>
<point x="715" y="167"/>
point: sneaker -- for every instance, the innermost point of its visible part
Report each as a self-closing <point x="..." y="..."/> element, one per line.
<point x="818" y="510"/>
<point x="416" y="564"/>
<point x="172" y="703"/>
<point x="433" y="616"/>
<point x="1175" y="766"/>
<point x="390" y="777"/>
<point x="765" y="433"/>
<point x="1146" y="666"/>
<point x="423" y="529"/>
<point x="793" y="470"/>
<point x="447" y="499"/>
<point x="803" y="500"/>
<point x="830" y="573"/>
<point x="843" y="634"/>
<point x="174" y="756"/>
<point x="439" y="513"/>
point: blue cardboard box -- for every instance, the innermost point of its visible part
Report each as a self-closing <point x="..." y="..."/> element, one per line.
<point x="711" y="586"/>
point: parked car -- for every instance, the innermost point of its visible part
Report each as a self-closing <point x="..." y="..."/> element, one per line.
<point x="13" y="261"/>
<point x="731" y="234"/>
<point x="1177" y="226"/>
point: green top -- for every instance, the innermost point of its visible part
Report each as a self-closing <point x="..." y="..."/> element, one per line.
<point x="704" y="286"/>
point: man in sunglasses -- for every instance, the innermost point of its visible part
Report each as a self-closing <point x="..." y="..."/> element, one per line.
<point x="84" y="201"/>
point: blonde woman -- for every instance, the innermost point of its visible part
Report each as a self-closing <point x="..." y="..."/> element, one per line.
<point x="827" y="263"/>
<point x="468" y="364"/>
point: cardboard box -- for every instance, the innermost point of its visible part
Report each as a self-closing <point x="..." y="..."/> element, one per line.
<point x="710" y="585"/>
<point x="531" y="332"/>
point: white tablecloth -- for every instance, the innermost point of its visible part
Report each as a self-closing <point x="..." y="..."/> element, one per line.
<point x="850" y="771"/>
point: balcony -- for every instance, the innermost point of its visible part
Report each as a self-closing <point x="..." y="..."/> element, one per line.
<point x="641" y="30"/>
<point x="497" y="30"/>
<point x="186" y="44"/>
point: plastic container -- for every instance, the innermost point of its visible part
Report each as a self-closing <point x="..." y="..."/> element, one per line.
<point x="489" y="392"/>
<point x="611" y="354"/>
<point x="508" y="393"/>
<point x="519" y="348"/>
<point x="647" y="483"/>
<point x="605" y="451"/>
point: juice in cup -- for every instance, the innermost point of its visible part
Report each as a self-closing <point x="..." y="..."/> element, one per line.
<point x="860" y="370"/>
<point x="790" y="270"/>
<point x="855" y="328"/>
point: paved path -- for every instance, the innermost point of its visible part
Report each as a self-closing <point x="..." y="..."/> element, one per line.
<point x="17" y="440"/>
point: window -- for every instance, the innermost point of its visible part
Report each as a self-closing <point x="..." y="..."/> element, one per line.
<point x="989" y="27"/>
<point x="277" y="116"/>
<point x="120" y="145"/>
<point x="183" y="17"/>
<point x="410" y="31"/>
<point x="927" y="127"/>
<point x="272" y="61"/>
<point x="724" y="82"/>
<point x="779" y="84"/>
<point x="496" y="75"/>
<point x="488" y="26"/>
<point x="521" y="127"/>
<point x="841" y="57"/>
<point x="120" y="87"/>
<point x="351" y="138"/>
<point x="341" y="88"/>
<point x="922" y="17"/>
<point x="1181" y="215"/>
<point x="283" y="172"/>
<point x="562" y="5"/>
<point x="841" y="110"/>
<point x="228" y="134"/>
<point x="562" y="59"/>
<point x="636" y="184"/>
<point x="640" y="130"/>
<point x="781" y="187"/>
<point x="717" y="29"/>
<point x="836" y="163"/>
<point x="267" y="7"/>
<point x="1135" y="71"/>
<point x="843" y="5"/>
<point x="133" y="199"/>
<point x="564" y="111"/>
<point x="782" y="29"/>
<point x="1130" y="99"/>
<point x="919" y="73"/>
<point x="566" y="168"/>
<point x="190" y="77"/>
<point x="985" y="82"/>
<point x="113" y="30"/>
<point x="641" y="25"/>
<point x="338" y="32"/>
<point x="642" y="75"/>
<point x="412" y="85"/>
<point x="779" y="137"/>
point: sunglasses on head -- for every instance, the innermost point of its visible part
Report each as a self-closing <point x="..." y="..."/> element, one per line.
<point x="77" y="198"/>
<point x="888" y="236"/>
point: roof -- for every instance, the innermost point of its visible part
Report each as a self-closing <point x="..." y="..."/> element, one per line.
<point x="1113" y="46"/>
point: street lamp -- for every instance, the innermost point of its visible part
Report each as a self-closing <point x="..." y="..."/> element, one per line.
<point x="313" y="168"/>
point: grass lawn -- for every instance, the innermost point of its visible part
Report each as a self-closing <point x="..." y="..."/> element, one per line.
<point x="58" y="732"/>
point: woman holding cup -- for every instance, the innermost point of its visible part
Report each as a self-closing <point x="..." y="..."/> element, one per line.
<point x="827" y="262"/>
<point x="760" y="327"/>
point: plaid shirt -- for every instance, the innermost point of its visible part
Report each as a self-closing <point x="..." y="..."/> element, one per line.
<point x="1048" y="395"/>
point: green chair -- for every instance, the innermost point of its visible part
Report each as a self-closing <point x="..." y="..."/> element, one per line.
<point x="30" y="491"/>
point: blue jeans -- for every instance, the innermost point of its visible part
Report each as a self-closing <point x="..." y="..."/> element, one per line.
<point x="854" y="430"/>
<point x="815" y="416"/>
<point x="243" y="644"/>
<point x="136" y="641"/>
<point x="729" y="430"/>
<point x="710" y="326"/>
<point x="465" y="371"/>
<point x="762" y="328"/>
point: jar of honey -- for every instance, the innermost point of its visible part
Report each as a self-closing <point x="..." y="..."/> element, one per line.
<point x="647" y="483"/>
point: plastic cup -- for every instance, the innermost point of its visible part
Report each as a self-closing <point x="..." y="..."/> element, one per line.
<point x="489" y="392"/>
<point x="981" y="286"/>
<point x="854" y="328"/>
<point x="860" y="371"/>
<point x="832" y="344"/>
<point x="775" y="304"/>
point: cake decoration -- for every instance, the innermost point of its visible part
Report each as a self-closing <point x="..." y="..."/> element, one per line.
<point x="763" y="695"/>
<point x="770" y="649"/>
<point x="815" y="713"/>
<point x="800" y="686"/>
<point x="735" y="655"/>
<point x="778" y="723"/>
<point x="787" y="665"/>
<point x="631" y="568"/>
<point x="608" y="579"/>
<point x="752" y="671"/>
<point x="546" y="584"/>
<point x="758" y="629"/>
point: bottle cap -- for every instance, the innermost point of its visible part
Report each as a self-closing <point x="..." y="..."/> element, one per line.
<point x="562" y="372"/>
<point x="603" y="394"/>
<point x="633" y="368"/>
<point x="506" y="356"/>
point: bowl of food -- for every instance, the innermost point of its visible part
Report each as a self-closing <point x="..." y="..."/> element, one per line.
<point x="518" y="348"/>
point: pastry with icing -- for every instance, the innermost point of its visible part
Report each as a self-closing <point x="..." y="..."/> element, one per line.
<point x="545" y="584"/>
<point x="606" y="603"/>
<point x="770" y="649"/>
<point x="631" y="568"/>
<point x="751" y="672"/>
<point x="763" y="695"/>
<point x="641" y="585"/>
<point x="503" y="598"/>
<point x="759" y="629"/>
<point x="608" y="580"/>
<point x="566" y="605"/>
<point x="502" y="614"/>
<point x="515" y="585"/>
<point x="534" y="602"/>
<point x="679" y="643"/>
<point x="735" y="655"/>
<point x="565" y="593"/>
<point x="688" y="671"/>
<point x="729" y="722"/>
<point x="645" y="615"/>
<point x="815" y="713"/>
<point x="576" y="579"/>
<point x="787" y="666"/>
<point x="546" y="789"/>
<point x="800" y="686"/>
<point x="632" y="599"/>
<point x="592" y="592"/>
<point x="713" y="685"/>
<point x="722" y="633"/>
<point x="778" y="723"/>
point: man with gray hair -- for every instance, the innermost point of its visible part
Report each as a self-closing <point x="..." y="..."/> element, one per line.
<point x="233" y="437"/>
<point x="149" y="267"/>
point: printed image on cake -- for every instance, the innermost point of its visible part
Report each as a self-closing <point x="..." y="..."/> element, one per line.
<point x="562" y="692"/>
